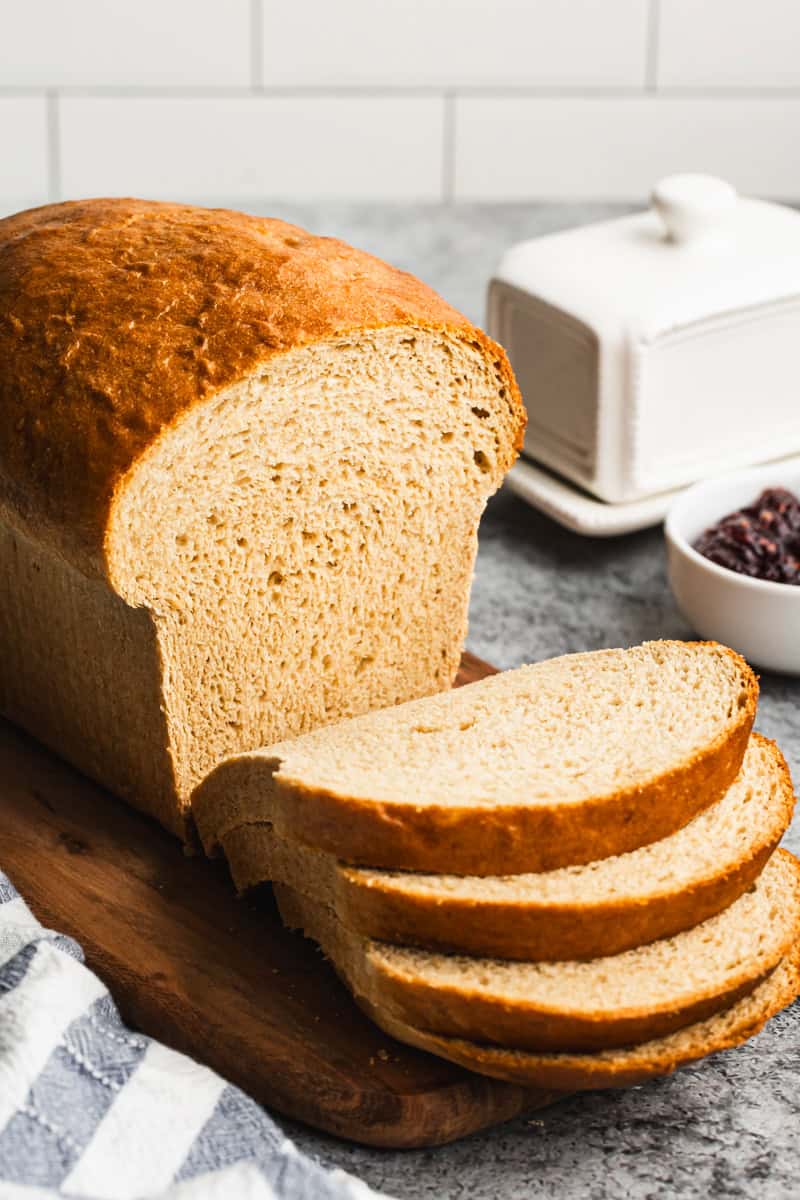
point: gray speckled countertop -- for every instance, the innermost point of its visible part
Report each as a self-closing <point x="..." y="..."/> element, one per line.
<point x="726" y="1127"/>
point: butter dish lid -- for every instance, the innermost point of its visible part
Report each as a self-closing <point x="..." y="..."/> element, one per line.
<point x="700" y="251"/>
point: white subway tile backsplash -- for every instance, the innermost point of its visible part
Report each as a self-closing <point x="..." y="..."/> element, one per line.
<point x="149" y="43"/>
<point x="382" y="100"/>
<point x="23" y="153"/>
<point x="603" y="148"/>
<point x="372" y="148"/>
<point x="451" y="43"/>
<point x="729" y="43"/>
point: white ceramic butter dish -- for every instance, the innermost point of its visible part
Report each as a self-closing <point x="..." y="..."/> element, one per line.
<point x="652" y="351"/>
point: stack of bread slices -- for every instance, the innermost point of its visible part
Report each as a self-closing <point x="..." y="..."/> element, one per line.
<point x="564" y="875"/>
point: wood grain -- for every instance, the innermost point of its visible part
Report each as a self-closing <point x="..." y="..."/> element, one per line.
<point x="219" y="978"/>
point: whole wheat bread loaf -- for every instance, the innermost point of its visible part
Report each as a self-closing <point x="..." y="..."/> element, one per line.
<point x="623" y="1067"/>
<point x="563" y="762"/>
<point x="241" y="473"/>
<point x="588" y="911"/>
<point x="631" y="997"/>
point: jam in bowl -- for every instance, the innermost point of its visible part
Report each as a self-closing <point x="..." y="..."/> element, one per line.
<point x="733" y="544"/>
<point x="761" y="540"/>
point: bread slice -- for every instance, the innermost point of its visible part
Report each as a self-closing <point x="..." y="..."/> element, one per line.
<point x="563" y="762"/>
<point x="241" y="474"/>
<point x="571" y="913"/>
<point x="623" y="1067"/>
<point x="620" y="1000"/>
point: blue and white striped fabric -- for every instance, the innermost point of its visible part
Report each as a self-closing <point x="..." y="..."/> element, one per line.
<point x="89" y="1109"/>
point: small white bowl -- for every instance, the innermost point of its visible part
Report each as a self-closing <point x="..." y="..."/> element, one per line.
<point x="759" y="619"/>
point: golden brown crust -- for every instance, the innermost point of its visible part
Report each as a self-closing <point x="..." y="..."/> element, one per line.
<point x="463" y="1009"/>
<point x="620" y="1068"/>
<point x="488" y="1020"/>
<point x="529" y="931"/>
<point x="392" y="908"/>
<point x="117" y="316"/>
<point x="507" y="840"/>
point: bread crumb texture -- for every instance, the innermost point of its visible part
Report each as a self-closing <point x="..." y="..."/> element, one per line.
<point x="618" y="1067"/>
<point x="252" y="462"/>
<point x="563" y="762"/>
<point x="554" y="732"/>
<point x="561" y="1005"/>
<point x="602" y="908"/>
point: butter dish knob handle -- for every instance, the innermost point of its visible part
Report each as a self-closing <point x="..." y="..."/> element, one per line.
<point x="692" y="205"/>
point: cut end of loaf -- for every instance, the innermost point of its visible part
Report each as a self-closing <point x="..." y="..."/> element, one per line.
<point x="216" y="295"/>
<point x="305" y="541"/>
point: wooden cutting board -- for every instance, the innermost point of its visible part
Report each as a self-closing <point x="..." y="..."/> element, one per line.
<point x="217" y="977"/>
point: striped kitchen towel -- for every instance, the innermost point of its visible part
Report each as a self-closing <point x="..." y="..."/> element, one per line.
<point x="90" y="1109"/>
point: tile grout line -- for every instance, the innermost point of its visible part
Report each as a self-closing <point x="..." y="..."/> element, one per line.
<point x="398" y="91"/>
<point x="448" y="147"/>
<point x="651" y="46"/>
<point x="53" y="147"/>
<point x="256" y="45"/>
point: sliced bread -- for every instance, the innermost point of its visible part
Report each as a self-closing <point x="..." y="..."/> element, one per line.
<point x="563" y="762"/>
<point x="606" y="1002"/>
<point x="579" y="912"/>
<point x="623" y="1067"/>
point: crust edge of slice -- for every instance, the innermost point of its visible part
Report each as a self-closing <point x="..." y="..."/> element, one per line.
<point x="616" y="1067"/>
<point x="473" y="840"/>
<point x="484" y="1015"/>
<point x="500" y="928"/>
<point x="623" y="1067"/>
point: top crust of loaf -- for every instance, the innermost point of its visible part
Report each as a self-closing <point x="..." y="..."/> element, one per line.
<point x="117" y="316"/>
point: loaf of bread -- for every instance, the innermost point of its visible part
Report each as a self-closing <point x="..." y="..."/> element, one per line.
<point x="562" y="762"/>
<point x="644" y="993"/>
<point x="241" y="474"/>
<point x="576" y="912"/>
